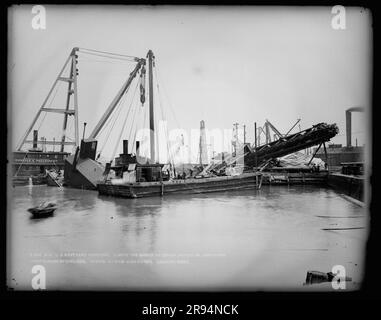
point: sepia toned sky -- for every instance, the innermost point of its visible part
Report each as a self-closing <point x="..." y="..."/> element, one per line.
<point x="221" y="65"/>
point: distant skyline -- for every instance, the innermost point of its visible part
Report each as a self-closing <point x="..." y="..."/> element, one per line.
<point x="218" y="64"/>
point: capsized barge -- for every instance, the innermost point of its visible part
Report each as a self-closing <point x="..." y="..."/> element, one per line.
<point x="30" y="167"/>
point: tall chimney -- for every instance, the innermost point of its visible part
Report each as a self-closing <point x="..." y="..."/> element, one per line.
<point x="202" y="147"/>
<point x="348" y="116"/>
<point x="35" y="138"/>
<point x="125" y="146"/>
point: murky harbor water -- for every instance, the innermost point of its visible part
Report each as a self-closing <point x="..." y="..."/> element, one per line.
<point x="246" y="240"/>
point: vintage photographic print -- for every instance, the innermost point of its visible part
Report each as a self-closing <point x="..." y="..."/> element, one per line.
<point x="188" y="148"/>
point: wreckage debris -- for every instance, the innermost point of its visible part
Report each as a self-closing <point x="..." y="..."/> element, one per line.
<point x="315" y="135"/>
<point x="314" y="277"/>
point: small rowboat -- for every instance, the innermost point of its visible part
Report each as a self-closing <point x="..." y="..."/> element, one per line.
<point x="45" y="209"/>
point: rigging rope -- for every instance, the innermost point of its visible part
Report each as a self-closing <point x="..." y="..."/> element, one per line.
<point x="132" y="123"/>
<point x="163" y="116"/>
<point x="142" y="116"/>
<point x="110" y="57"/>
<point x="124" y="124"/>
<point x="168" y="100"/>
<point x="118" y="63"/>
<point x="145" y="118"/>
<point x="109" y="120"/>
<point x="43" y="118"/>
<point x="136" y="129"/>
<point x="112" y="119"/>
<point x="170" y="155"/>
<point x="109" y="53"/>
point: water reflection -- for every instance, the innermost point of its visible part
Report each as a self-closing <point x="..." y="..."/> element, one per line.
<point x="229" y="240"/>
<point x="35" y="219"/>
<point x="80" y="202"/>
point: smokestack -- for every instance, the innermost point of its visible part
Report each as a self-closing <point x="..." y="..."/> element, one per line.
<point x="356" y="109"/>
<point x="35" y="138"/>
<point x="125" y="146"/>
<point x="107" y="169"/>
<point x="348" y="117"/>
<point x="137" y="148"/>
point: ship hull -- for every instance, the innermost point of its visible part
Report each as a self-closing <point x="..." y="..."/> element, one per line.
<point x="188" y="186"/>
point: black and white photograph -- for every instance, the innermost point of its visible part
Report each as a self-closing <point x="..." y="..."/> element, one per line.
<point x="188" y="148"/>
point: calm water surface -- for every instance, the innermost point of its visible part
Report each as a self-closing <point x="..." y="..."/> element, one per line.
<point x="246" y="240"/>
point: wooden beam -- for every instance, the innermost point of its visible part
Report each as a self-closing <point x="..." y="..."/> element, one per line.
<point x="50" y="142"/>
<point x="274" y="129"/>
<point x="42" y="106"/>
<point x="56" y="110"/>
<point x="70" y="91"/>
<point x="75" y="98"/>
<point x="326" y="155"/>
<point x="292" y="127"/>
<point x="314" y="154"/>
<point x="65" y="79"/>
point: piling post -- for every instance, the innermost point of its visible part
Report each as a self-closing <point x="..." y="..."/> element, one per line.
<point x="326" y="155"/>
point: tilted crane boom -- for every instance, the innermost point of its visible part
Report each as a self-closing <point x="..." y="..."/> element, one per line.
<point x="141" y="64"/>
<point x="315" y="135"/>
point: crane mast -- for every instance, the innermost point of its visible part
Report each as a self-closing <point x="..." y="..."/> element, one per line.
<point x="151" y="58"/>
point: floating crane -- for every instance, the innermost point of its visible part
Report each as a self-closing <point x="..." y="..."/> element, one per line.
<point x="82" y="169"/>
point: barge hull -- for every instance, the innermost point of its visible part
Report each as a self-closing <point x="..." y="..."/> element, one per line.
<point x="191" y="186"/>
<point x="350" y="185"/>
<point x="295" y="177"/>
